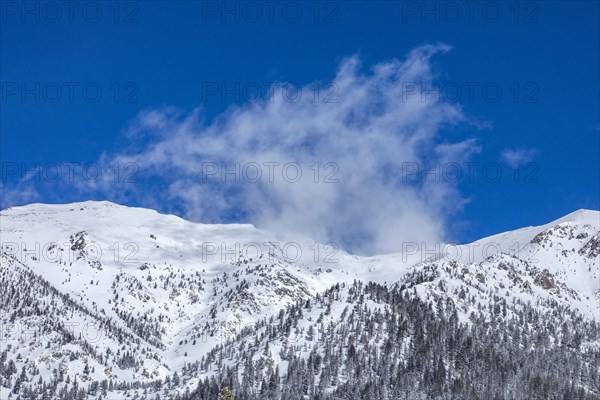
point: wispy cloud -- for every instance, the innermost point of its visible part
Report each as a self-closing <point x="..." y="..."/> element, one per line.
<point x="358" y="143"/>
<point x="17" y="194"/>
<point x="351" y="152"/>
<point x="518" y="157"/>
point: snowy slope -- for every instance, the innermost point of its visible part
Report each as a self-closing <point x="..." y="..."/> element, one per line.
<point x="136" y="295"/>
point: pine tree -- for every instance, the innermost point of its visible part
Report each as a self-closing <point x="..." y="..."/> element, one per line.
<point x="225" y="394"/>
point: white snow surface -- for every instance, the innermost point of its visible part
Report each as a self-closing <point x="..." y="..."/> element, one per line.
<point x="202" y="283"/>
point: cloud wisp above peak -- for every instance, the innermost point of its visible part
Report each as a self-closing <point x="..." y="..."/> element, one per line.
<point x="337" y="167"/>
<point x="331" y="168"/>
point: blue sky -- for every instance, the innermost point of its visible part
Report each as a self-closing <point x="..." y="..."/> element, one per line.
<point x="522" y="79"/>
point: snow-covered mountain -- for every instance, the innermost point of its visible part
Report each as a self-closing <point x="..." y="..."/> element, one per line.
<point x="103" y="300"/>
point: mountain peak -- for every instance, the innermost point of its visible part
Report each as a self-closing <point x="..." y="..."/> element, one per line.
<point x="591" y="217"/>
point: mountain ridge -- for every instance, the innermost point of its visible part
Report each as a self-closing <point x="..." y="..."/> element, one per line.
<point x="169" y="293"/>
<point x="581" y="214"/>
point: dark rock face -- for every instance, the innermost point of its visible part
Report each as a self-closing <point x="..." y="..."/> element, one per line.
<point x="545" y="279"/>
<point x="592" y="248"/>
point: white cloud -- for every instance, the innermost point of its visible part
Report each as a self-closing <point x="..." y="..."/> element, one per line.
<point x="17" y="195"/>
<point x="368" y="134"/>
<point x="518" y="157"/>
